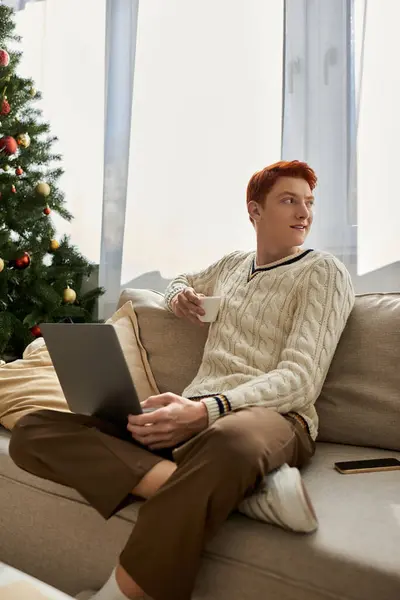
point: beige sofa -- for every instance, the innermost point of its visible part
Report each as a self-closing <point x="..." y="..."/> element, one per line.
<point x="50" y="532"/>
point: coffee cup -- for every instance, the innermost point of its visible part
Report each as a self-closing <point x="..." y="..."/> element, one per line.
<point x="210" y="304"/>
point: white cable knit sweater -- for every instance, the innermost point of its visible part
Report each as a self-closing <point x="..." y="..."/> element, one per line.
<point x="276" y="331"/>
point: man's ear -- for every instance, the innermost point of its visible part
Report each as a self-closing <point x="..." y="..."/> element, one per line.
<point x="253" y="209"/>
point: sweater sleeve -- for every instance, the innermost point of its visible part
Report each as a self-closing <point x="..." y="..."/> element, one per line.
<point x="203" y="282"/>
<point x="325" y="300"/>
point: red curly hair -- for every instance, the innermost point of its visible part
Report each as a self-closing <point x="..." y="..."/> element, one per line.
<point x="263" y="181"/>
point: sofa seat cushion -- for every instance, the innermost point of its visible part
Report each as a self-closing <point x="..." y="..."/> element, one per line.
<point x="354" y="554"/>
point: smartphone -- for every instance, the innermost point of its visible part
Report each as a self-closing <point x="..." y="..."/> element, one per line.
<point x="367" y="466"/>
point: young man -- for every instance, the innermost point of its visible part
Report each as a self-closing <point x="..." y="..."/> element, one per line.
<point x="240" y="430"/>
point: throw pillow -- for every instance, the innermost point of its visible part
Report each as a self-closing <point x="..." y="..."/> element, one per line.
<point x="127" y="328"/>
<point x="174" y="346"/>
<point x="31" y="383"/>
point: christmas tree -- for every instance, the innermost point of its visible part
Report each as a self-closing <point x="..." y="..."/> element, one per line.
<point x="40" y="277"/>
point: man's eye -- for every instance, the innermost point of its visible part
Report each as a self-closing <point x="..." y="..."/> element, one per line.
<point x="288" y="200"/>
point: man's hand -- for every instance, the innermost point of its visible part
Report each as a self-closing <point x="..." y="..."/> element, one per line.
<point x="187" y="305"/>
<point x="175" y="420"/>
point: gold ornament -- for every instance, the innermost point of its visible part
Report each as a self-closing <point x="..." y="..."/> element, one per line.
<point x="43" y="189"/>
<point x="24" y="140"/>
<point x="6" y="168"/>
<point x="32" y="92"/>
<point x="54" y="245"/>
<point x="1" y="265"/>
<point x="69" y="295"/>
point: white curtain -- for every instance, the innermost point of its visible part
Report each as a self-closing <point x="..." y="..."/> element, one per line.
<point x="207" y="113"/>
<point x="63" y="49"/>
<point x="121" y="26"/>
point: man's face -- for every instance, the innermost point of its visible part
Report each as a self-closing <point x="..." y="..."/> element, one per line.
<point x="286" y="216"/>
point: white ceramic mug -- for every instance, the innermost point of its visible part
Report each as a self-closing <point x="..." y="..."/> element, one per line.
<point x="211" y="305"/>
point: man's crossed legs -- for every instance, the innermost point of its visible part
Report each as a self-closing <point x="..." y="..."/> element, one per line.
<point x="191" y="491"/>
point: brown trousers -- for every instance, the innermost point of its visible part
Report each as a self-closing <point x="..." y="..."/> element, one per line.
<point x="216" y="470"/>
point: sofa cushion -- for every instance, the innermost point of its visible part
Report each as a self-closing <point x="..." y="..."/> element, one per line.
<point x="174" y="346"/>
<point x="31" y="383"/>
<point x="353" y="556"/>
<point x="359" y="403"/>
<point x="360" y="400"/>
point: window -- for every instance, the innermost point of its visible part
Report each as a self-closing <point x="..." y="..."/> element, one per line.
<point x="206" y="115"/>
<point x="63" y="51"/>
<point x="378" y="205"/>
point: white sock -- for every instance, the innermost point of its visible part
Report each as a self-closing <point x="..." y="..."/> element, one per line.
<point x="110" y="590"/>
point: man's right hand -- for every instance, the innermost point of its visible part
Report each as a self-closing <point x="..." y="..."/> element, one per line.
<point x="187" y="305"/>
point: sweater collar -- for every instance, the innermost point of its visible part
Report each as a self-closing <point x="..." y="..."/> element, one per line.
<point x="287" y="260"/>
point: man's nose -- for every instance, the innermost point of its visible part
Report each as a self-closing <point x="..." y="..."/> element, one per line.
<point x="303" y="211"/>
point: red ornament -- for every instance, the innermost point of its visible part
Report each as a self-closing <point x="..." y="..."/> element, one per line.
<point x="13" y="189"/>
<point x="19" y="171"/>
<point x="5" y="108"/>
<point x="47" y="210"/>
<point x="23" y="261"/>
<point x="35" y="331"/>
<point x="8" y="145"/>
<point x="4" y="58"/>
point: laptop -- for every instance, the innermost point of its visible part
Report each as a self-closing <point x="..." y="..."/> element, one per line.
<point x="92" y="370"/>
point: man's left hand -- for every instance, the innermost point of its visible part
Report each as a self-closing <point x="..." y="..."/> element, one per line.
<point x="174" y="420"/>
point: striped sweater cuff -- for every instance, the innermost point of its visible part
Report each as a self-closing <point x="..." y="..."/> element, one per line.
<point x="170" y="295"/>
<point x="217" y="406"/>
